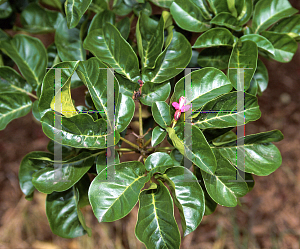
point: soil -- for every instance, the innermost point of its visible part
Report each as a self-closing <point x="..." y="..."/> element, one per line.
<point x="268" y="217"/>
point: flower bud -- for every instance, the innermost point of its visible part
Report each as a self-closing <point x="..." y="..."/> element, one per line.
<point x="177" y="115"/>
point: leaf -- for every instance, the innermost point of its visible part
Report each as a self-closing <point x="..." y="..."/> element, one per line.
<point x="100" y="19"/>
<point x="188" y="197"/>
<point x="61" y="176"/>
<point x="246" y="12"/>
<point x="5" y="10"/>
<point x="268" y="12"/>
<point x="171" y="61"/>
<point x="253" y="87"/>
<point x="227" y="20"/>
<point x="11" y="81"/>
<point x="30" y="56"/>
<point x="124" y="112"/>
<point x="155" y="92"/>
<point x="74" y="11"/>
<point x="13" y="105"/>
<point x="30" y="164"/>
<point x="121" y="8"/>
<point x="244" y="55"/>
<point x="110" y="47"/>
<point x="98" y="6"/>
<point x="162" y="3"/>
<point x="195" y="148"/>
<point x="215" y="37"/>
<point x="158" y="135"/>
<point x="161" y="113"/>
<point x="112" y="199"/>
<point x="150" y="39"/>
<point x="223" y="139"/>
<point x="70" y="39"/>
<point x="290" y="26"/>
<point x="127" y="87"/>
<point x="261" y="42"/>
<point x="214" y="57"/>
<point x="124" y="27"/>
<point x="64" y="215"/>
<point x="36" y="19"/>
<point x="207" y="84"/>
<point x="204" y="8"/>
<point x="52" y="55"/>
<point x="188" y="16"/>
<point x="158" y="162"/>
<point x="261" y="76"/>
<point x="101" y="163"/>
<point x="79" y="131"/>
<point x="218" y="6"/>
<point x="222" y="112"/>
<point x="53" y="3"/>
<point x="177" y="157"/>
<point x="261" y="156"/>
<point x="285" y="46"/>
<point x="67" y="152"/>
<point x="142" y="8"/>
<point x="223" y="186"/>
<point x="156" y="226"/>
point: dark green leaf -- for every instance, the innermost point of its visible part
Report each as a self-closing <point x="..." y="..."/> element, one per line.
<point x="261" y="42"/>
<point x="124" y="112"/>
<point x="290" y="26"/>
<point x="5" y="10"/>
<point x="52" y="54"/>
<point x="101" y="163"/>
<point x="177" y="157"/>
<point x="67" y="152"/>
<point x="244" y="55"/>
<point x="268" y="12"/>
<point x="158" y="162"/>
<point x="253" y="87"/>
<point x="53" y="3"/>
<point x="162" y="3"/>
<point x="127" y="87"/>
<point x="124" y="27"/>
<point x="214" y="57"/>
<point x="214" y="37"/>
<point x="100" y="19"/>
<point x="156" y="226"/>
<point x="155" y="92"/>
<point x="98" y="6"/>
<point x="143" y="8"/>
<point x="246" y="12"/>
<point x="158" y="135"/>
<point x="161" y="113"/>
<point x="261" y="76"/>
<point x="225" y="186"/>
<point x="188" y="16"/>
<point x="218" y="6"/>
<point x="110" y="47"/>
<point x="285" y="46"/>
<point x="226" y="137"/>
<point x="204" y="8"/>
<point x="222" y="111"/>
<point x="227" y="20"/>
<point x="112" y="199"/>
<point x="80" y="131"/>
<point x="30" y="56"/>
<point x="121" y="8"/>
<point x="74" y="11"/>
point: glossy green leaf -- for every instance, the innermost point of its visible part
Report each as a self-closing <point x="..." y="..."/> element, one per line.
<point x="101" y="163"/>
<point x="246" y="12"/>
<point x="161" y="113"/>
<point x="225" y="138"/>
<point x="204" y="8"/>
<point x="124" y="112"/>
<point x="115" y="197"/>
<point x="156" y="226"/>
<point x="158" y="162"/>
<point x="47" y="98"/>
<point x="158" y="135"/>
<point x="214" y="57"/>
<point x="100" y="19"/>
<point x="74" y="11"/>
<point x="155" y="92"/>
<point x="188" y="16"/>
<point x="67" y="152"/>
<point x="244" y="55"/>
<point x="11" y="81"/>
<point x="290" y="26"/>
<point x="30" y="164"/>
<point x="261" y="156"/>
<point x="30" y="56"/>
<point x="69" y="38"/>
<point x="207" y="84"/>
<point x="261" y="42"/>
<point x="188" y="197"/>
<point x="225" y="186"/>
<point x="80" y="131"/>
<point x="142" y="8"/>
<point x="195" y="149"/>
<point x="214" y="37"/>
<point x="177" y="157"/>
<point x="5" y="10"/>
<point x="36" y="19"/>
<point x="121" y="8"/>
<point x="268" y="12"/>
<point x="150" y="39"/>
<point x="124" y="27"/>
<point x="285" y="46"/>
<point x="261" y="76"/>
<point x="61" y="176"/>
<point x="98" y="6"/>
<point x="218" y="6"/>
<point x="253" y="88"/>
<point x="227" y="20"/>
<point x="171" y="61"/>
<point x="64" y="215"/>
<point x="222" y="111"/>
<point x="53" y="3"/>
<point x="162" y="3"/>
<point x="110" y="47"/>
<point x="127" y="87"/>
<point x="13" y="105"/>
<point x="52" y="55"/>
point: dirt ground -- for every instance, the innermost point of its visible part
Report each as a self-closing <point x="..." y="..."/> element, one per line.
<point x="268" y="217"/>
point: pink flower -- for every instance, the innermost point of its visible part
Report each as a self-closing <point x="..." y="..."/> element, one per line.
<point x="180" y="107"/>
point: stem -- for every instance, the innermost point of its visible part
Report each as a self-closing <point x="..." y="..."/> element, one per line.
<point x="32" y="95"/>
<point x="165" y="148"/>
<point x="140" y="119"/>
<point x="148" y="142"/>
<point x="130" y="143"/>
<point x="125" y="149"/>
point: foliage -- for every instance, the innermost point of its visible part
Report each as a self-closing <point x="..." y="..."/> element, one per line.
<point x="146" y="63"/>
